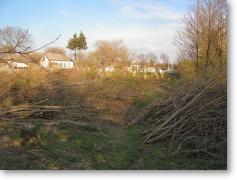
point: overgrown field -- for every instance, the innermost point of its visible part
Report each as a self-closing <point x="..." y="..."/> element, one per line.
<point x="73" y="120"/>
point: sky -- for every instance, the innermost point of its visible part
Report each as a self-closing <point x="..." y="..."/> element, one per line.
<point x="144" y="25"/>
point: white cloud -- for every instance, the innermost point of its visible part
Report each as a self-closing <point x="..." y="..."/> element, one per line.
<point x="139" y="39"/>
<point x="140" y="36"/>
<point x="152" y="11"/>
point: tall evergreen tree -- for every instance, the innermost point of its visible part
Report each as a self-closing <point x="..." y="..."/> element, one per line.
<point x="77" y="43"/>
<point x="82" y="41"/>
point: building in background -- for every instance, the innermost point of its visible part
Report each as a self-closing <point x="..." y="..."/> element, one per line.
<point x="56" y="61"/>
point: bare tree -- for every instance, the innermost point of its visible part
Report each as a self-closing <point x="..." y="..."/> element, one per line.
<point x="145" y="59"/>
<point x="164" y="59"/>
<point x="14" y="39"/>
<point x="203" y="34"/>
<point x="17" y="41"/>
<point x="109" y="52"/>
<point x="187" y="39"/>
<point x="152" y="58"/>
<point x="214" y="28"/>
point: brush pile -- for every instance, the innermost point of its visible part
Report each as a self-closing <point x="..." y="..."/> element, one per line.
<point x="20" y="114"/>
<point x="194" y="112"/>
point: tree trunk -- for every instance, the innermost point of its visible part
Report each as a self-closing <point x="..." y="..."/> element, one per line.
<point x="75" y="55"/>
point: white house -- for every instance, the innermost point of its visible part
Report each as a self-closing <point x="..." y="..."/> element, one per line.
<point x="13" y="62"/>
<point x="134" y="67"/>
<point x="19" y="65"/>
<point x="56" y="61"/>
<point x="13" y="65"/>
<point x="149" y="69"/>
<point x="109" y="69"/>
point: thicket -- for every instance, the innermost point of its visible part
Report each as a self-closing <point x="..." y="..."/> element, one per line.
<point x="193" y="116"/>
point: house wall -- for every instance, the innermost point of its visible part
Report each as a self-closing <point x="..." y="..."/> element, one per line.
<point x="19" y="65"/>
<point x="109" y="69"/>
<point x="64" y="64"/>
<point x="149" y="69"/>
<point x="15" y="65"/>
<point x="135" y="67"/>
<point x="44" y="62"/>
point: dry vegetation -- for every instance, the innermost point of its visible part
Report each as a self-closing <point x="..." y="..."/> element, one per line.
<point x="82" y="117"/>
<point x="193" y="114"/>
<point x="111" y="94"/>
<point x="76" y="119"/>
<point x="61" y="109"/>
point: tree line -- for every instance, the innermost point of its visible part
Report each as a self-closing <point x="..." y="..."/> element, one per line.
<point x="202" y="37"/>
<point x="113" y="52"/>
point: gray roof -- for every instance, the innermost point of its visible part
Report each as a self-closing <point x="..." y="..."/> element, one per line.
<point x="57" y="57"/>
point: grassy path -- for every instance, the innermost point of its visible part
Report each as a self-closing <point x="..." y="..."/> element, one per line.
<point x="97" y="146"/>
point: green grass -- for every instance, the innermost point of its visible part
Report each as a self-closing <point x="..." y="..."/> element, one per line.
<point x="100" y="146"/>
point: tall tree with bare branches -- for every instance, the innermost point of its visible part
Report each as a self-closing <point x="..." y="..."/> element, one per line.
<point x="203" y="34"/>
<point x="187" y="39"/>
<point x="14" y="39"/>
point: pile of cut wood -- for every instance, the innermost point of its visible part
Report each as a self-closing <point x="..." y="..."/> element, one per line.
<point x="195" y="112"/>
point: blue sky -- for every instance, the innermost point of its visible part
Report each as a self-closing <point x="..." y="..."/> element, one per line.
<point x="144" y="25"/>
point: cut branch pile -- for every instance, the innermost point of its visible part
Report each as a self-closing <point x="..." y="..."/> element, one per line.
<point x="30" y="111"/>
<point x="47" y="112"/>
<point x="195" y="112"/>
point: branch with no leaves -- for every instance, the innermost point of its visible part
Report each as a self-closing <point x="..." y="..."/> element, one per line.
<point x="24" y="51"/>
